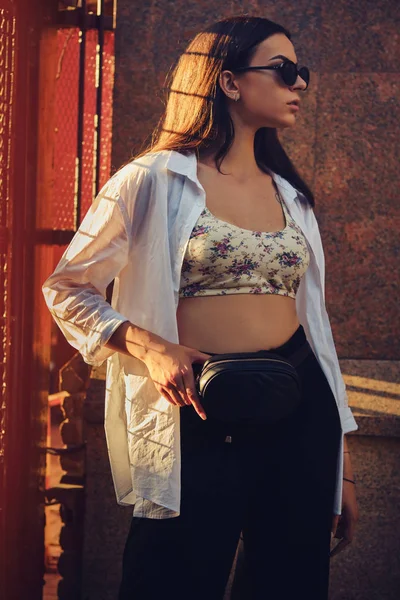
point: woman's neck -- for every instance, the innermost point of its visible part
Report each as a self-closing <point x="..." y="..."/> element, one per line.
<point x="239" y="161"/>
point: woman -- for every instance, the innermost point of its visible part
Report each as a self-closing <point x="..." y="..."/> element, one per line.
<point x="213" y="246"/>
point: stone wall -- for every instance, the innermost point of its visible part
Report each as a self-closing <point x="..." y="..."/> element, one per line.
<point x="106" y="523"/>
<point x="346" y="145"/>
<point x="369" y="569"/>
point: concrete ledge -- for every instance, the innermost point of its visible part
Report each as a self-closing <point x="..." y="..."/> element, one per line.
<point x="373" y="388"/>
<point x="381" y="426"/>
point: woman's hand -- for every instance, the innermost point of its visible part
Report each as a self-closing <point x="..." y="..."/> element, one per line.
<point x="343" y="526"/>
<point x="172" y="374"/>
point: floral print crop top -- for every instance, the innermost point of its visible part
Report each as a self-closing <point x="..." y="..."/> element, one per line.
<point x="222" y="258"/>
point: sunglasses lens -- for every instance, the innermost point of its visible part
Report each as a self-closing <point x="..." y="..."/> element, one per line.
<point x="289" y="73"/>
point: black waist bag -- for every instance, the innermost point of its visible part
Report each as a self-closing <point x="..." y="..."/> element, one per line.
<point x="250" y="388"/>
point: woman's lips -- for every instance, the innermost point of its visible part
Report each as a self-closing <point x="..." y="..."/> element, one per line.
<point x="294" y="106"/>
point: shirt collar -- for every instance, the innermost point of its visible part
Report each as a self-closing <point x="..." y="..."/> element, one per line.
<point x="186" y="164"/>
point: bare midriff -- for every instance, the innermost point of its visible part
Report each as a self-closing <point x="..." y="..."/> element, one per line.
<point x="236" y="322"/>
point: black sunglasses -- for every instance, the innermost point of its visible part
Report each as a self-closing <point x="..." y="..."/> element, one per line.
<point x="287" y="70"/>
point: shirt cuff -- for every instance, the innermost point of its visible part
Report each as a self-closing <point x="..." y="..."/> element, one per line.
<point x="347" y="420"/>
<point x="94" y="351"/>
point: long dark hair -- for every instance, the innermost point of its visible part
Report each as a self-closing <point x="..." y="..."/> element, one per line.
<point x="196" y="115"/>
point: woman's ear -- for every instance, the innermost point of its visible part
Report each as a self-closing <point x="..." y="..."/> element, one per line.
<point x="228" y="84"/>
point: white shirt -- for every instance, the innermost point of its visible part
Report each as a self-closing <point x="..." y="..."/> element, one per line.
<point x="136" y="232"/>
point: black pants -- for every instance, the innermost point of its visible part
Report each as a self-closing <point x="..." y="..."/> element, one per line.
<point x="275" y="484"/>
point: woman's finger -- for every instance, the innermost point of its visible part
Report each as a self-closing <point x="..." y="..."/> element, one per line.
<point x="181" y="387"/>
<point x="192" y="395"/>
<point x="168" y="395"/>
<point x="175" y="390"/>
<point x="178" y="388"/>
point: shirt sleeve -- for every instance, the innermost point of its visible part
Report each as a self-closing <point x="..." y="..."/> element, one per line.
<point x="75" y="292"/>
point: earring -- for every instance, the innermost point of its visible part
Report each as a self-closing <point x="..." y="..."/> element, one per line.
<point x="237" y="97"/>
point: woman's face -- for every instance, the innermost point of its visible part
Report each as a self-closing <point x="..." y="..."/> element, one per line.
<point x="264" y="96"/>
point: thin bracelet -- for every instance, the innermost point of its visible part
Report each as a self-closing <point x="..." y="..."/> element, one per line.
<point x="346" y="452"/>
<point x="351" y="480"/>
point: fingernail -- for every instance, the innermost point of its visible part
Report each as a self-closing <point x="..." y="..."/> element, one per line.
<point x="204" y="417"/>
